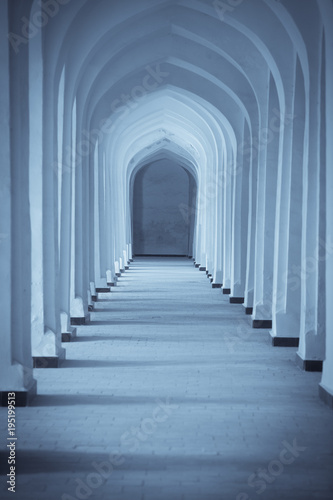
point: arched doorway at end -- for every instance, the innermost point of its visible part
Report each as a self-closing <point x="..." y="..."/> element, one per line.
<point x="163" y="209"/>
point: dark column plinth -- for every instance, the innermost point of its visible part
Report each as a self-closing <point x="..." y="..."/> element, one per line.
<point x="81" y="320"/>
<point x="262" y="323"/>
<point x="236" y="300"/>
<point x="285" y="341"/>
<point x="309" y="365"/>
<point x="68" y="336"/>
<point x="45" y="361"/>
<point x="22" y="398"/>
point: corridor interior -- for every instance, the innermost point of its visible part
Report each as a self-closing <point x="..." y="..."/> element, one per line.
<point x="170" y="394"/>
<point x="166" y="249"/>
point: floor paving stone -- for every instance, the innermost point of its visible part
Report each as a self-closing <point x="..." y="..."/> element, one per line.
<point x="170" y="394"/>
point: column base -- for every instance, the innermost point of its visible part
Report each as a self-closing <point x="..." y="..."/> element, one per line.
<point x="216" y="285"/>
<point x="94" y="298"/>
<point x="236" y="300"/>
<point x="248" y="310"/>
<point x="122" y="270"/>
<point x="111" y="284"/>
<point x="80" y="321"/>
<point x="202" y="268"/>
<point x="262" y="323"/>
<point x="118" y="275"/>
<point x="226" y="291"/>
<point x="284" y="341"/>
<point x="68" y="336"/>
<point x="126" y="268"/>
<point x="22" y="398"/>
<point x="103" y="290"/>
<point x="46" y="361"/>
<point x="309" y="365"/>
<point x="326" y="396"/>
<point x="196" y="265"/>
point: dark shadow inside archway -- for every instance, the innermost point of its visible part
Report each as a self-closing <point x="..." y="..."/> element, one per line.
<point x="163" y="217"/>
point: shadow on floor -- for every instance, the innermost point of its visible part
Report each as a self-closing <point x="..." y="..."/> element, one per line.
<point x="41" y="461"/>
<point x="57" y="400"/>
<point x="99" y="363"/>
<point x="152" y="337"/>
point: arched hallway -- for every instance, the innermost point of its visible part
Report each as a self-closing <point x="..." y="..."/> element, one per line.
<point x="196" y="128"/>
<point x="167" y="407"/>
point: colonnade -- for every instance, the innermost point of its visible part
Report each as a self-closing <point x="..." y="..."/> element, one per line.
<point x="237" y="93"/>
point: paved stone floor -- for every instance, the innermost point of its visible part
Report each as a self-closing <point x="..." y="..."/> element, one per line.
<point x="169" y="394"/>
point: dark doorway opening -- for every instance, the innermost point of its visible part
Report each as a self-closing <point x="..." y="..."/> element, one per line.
<point x="163" y="217"/>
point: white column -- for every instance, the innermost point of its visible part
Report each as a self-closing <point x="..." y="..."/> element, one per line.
<point x="102" y="215"/>
<point x="79" y="305"/>
<point x="311" y="350"/>
<point x="326" y="385"/>
<point x="47" y="350"/>
<point x="36" y="193"/>
<point x="99" y="229"/>
<point x="218" y="262"/>
<point x="266" y="209"/>
<point x="248" y="153"/>
<point x="227" y="217"/>
<point x="210" y="215"/>
<point x="288" y="232"/>
<point x="97" y="215"/>
<point x="203" y="218"/>
<point x="64" y="172"/>
<point x="86" y="139"/>
<point x="109" y="223"/>
<point x="15" y="265"/>
<point x="240" y="223"/>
